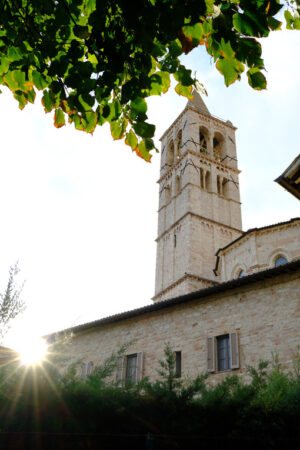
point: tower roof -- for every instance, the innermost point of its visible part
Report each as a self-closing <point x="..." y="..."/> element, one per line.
<point x="198" y="103"/>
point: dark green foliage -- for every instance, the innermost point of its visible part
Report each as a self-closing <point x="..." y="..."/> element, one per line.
<point x="266" y="408"/>
<point x="96" y="61"/>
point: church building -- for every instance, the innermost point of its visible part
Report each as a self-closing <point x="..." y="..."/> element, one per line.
<point x="224" y="299"/>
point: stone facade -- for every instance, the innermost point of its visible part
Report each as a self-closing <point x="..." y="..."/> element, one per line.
<point x="214" y="318"/>
<point x="264" y="310"/>
<point x="258" y="249"/>
<point x="199" y="200"/>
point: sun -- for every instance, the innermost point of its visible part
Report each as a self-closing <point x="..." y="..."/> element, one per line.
<point x="33" y="351"/>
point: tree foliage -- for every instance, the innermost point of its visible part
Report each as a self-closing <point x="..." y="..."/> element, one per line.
<point x="261" y="413"/>
<point x="97" y="61"/>
<point x="10" y="303"/>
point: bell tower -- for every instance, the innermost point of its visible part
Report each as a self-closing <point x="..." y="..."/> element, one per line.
<point x="199" y="200"/>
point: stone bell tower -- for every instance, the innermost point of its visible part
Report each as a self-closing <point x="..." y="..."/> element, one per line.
<point x="199" y="200"/>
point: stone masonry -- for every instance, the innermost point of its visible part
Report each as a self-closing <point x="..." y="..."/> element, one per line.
<point x="199" y="200"/>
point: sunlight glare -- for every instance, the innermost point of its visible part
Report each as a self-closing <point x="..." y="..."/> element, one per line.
<point x="33" y="351"/>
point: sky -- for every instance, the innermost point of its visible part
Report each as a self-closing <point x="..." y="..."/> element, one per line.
<point x="79" y="212"/>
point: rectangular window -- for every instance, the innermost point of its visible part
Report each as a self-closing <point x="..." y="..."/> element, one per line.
<point x="178" y="364"/>
<point x="131" y="368"/>
<point x="223" y="352"/>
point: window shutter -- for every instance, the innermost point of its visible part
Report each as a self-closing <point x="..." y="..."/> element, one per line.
<point x="121" y="367"/>
<point x="83" y="370"/>
<point x="90" y="368"/>
<point x="139" y="366"/>
<point x="234" y="350"/>
<point x="211" y="365"/>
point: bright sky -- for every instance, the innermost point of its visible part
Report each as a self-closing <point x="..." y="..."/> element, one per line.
<point x="79" y="212"/>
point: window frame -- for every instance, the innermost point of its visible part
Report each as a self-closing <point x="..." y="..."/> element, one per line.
<point x="122" y="368"/>
<point x="212" y="352"/>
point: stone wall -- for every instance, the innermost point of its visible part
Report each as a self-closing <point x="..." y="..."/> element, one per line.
<point x="266" y="315"/>
<point x="258" y="249"/>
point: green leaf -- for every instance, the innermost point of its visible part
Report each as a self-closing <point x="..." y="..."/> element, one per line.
<point x="160" y="83"/>
<point x="31" y="95"/>
<point x="139" y="105"/>
<point x="118" y="128"/>
<point x="242" y="25"/>
<point x="87" y="101"/>
<point x="195" y="32"/>
<point x="183" y="76"/>
<point x="297" y="23"/>
<point x="21" y="98"/>
<point x="14" y="54"/>
<point x="4" y="64"/>
<point x="227" y="64"/>
<point x="47" y="101"/>
<point x="186" y="91"/>
<point x="142" y="152"/>
<point x="144" y="129"/>
<point x="38" y="80"/>
<point x="91" y="119"/>
<point x="289" y="19"/>
<point x="16" y="80"/>
<point x="115" y="110"/>
<point x="274" y="24"/>
<point x="59" y="118"/>
<point x="131" y="139"/>
<point x="256" y="79"/>
<point x="175" y="48"/>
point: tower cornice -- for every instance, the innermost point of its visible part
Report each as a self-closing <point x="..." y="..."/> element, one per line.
<point x="201" y="114"/>
<point x="201" y="156"/>
<point x="189" y="213"/>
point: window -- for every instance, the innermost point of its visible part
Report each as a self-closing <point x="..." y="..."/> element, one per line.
<point x="167" y="194"/>
<point x="280" y="260"/>
<point x="241" y="273"/>
<point x="222" y="352"/>
<point x="178" y="364"/>
<point x="87" y="369"/>
<point x="170" y="154"/>
<point x="130" y="368"/>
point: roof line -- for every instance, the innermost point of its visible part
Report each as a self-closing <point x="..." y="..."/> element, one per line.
<point x="251" y="230"/>
<point x="164" y="304"/>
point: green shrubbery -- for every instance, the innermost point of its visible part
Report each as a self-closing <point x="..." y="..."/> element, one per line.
<point x="267" y="408"/>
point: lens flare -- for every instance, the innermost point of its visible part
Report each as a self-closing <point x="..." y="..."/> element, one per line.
<point x="33" y="351"/>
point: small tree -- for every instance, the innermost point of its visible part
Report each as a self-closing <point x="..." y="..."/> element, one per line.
<point x="10" y="303"/>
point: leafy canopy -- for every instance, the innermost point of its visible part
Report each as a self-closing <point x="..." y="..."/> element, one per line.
<point x="97" y="61"/>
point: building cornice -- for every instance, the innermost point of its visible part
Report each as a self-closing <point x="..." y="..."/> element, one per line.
<point x="244" y="282"/>
<point x="186" y="276"/>
<point x="253" y="232"/>
<point x="206" y="159"/>
<point x="221" y="225"/>
<point x="200" y="113"/>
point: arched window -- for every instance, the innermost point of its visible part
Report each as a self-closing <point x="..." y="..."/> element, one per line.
<point x="167" y="194"/>
<point x="225" y="187"/>
<point x="218" y="143"/>
<point x="203" y="139"/>
<point x="280" y="260"/>
<point x="170" y="155"/>
<point x="219" y="185"/>
<point x="208" y="181"/>
<point x="241" y="273"/>
<point x="178" y="143"/>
